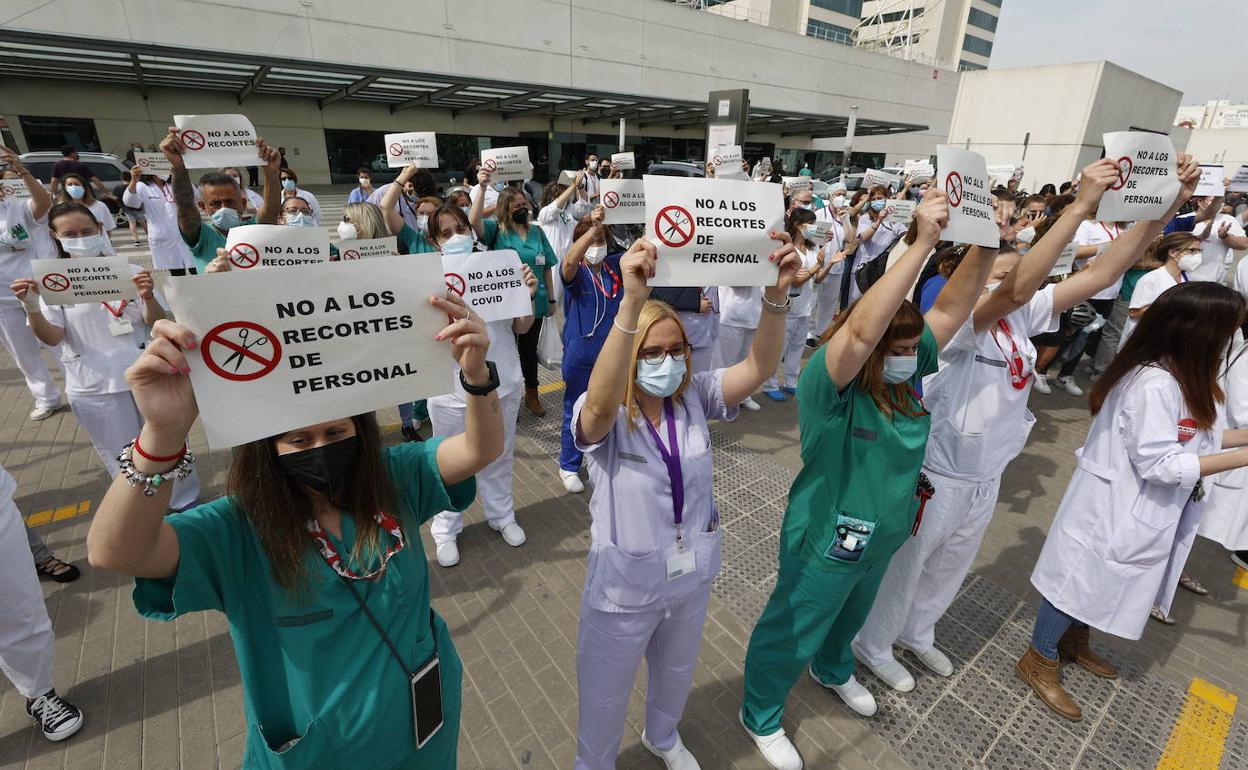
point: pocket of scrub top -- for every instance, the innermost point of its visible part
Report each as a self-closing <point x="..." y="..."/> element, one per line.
<point x="627" y="581"/>
<point x="708" y="546"/>
<point x="1142" y="538"/>
<point x="307" y="750"/>
<point x="850" y="538"/>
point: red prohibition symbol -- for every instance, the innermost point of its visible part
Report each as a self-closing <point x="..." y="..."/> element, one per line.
<point x="145" y="162"/>
<point x="611" y="199"/>
<point x="233" y="343"/>
<point x="55" y="282"/>
<point x="455" y="282"/>
<point x="674" y="226"/>
<point x="193" y="139"/>
<point x="953" y="188"/>
<point x="717" y="161"/>
<point x="396" y="149"/>
<point x="244" y="256"/>
<point x="350" y="254"/>
<point x="489" y="164"/>
<point x="1125" y="167"/>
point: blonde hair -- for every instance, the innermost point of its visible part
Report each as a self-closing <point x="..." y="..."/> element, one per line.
<point x="652" y="312"/>
<point x="367" y="218"/>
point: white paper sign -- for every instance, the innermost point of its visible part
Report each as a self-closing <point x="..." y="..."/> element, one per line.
<point x="1239" y="182"/>
<point x="1065" y="261"/>
<point x="567" y="177"/>
<point x="712" y="232"/>
<point x="1000" y="174"/>
<point x="15" y="189"/>
<point x="899" y="212"/>
<point x="1211" y="178"/>
<point x="79" y="280"/>
<point x="419" y="147"/>
<point x="491" y="282"/>
<point x="367" y="248"/>
<point x="796" y="184"/>
<point x="919" y="170"/>
<point x="1147" y="180"/>
<point x="282" y="349"/>
<point x="821" y="233"/>
<point x="963" y="175"/>
<point x="156" y="164"/>
<point x="507" y="164"/>
<point x="256" y="246"/>
<point x="875" y="178"/>
<point x="624" y="201"/>
<point x="623" y="161"/>
<point x="721" y="135"/>
<point x="216" y="141"/>
<point x="726" y="162"/>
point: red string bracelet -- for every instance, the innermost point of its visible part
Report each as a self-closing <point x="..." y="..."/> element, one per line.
<point x="152" y="458"/>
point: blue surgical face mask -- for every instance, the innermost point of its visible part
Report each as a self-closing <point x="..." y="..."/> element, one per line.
<point x="459" y="243"/>
<point x="422" y="223"/>
<point x="76" y="191"/>
<point x="807" y="206"/>
<point x="661" y="379"/>
<point x="916" y="192"/>
<point x="467" y="210"/>
<point x="899" y="368"/>
<point x="810" y="232"/>
<point x="288" y="184"/>
<point x="299" y="219"/>
<point x="878" y="205"/>
<point x="500" y="186"/>
<point x="225" y="218"/>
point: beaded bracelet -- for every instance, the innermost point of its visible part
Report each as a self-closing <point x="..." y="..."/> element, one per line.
<point x="152" y="482"/>
<point x="772" y="307"/>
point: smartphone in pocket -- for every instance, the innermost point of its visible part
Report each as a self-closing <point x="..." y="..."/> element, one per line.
<point x="426" y="685"/>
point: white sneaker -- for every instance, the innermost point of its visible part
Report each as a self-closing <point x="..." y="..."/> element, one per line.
<point x="571" y="481"/>
<point x="890" y="673"/>
<point x="777" y="750"/>
<point x="513" y="535"/>
<point x="1042" y="385"/>
<point x="934" y="659"/>
<point x="676" y="758"/>
<point x="750" y="404"/>
<point x="857" y="697"/>
<point x="1068" y="384"/>
<point x="44" y="412"/>
<point x="448" y="554"/>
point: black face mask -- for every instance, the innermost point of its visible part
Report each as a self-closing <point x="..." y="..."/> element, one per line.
<point x="326" y="468"/>
<point x="520" y="216"/>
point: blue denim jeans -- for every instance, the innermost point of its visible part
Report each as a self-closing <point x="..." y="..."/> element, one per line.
<point x="1051" y="624"/>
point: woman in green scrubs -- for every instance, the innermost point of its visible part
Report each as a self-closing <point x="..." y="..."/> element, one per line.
<point x="863" y="434"/>
<point x="315" y="518"/>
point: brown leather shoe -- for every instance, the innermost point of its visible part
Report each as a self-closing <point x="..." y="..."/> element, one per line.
<point x="533" y="403"/>
<point x="1045" y="677"/>
<point x="1074" y="646"/>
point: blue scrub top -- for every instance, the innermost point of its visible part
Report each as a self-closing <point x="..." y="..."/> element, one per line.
<point x="589" y="313"/>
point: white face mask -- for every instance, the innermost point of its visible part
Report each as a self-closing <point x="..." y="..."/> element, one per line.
<point x="422" y="223"/>
<point x="365" y="182"/>
<point x="347" y="231"/>
<point x="595" y="254"/>
<point x="1189" y="262"/>
<point x="838" y="201"/>
<point x="1026" y="235"/>
<point x="86" y="246"/>
<point x="459" y="243"/>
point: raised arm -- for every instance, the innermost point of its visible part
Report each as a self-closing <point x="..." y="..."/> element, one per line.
<point x="476" y="216"/>
<point x="743" y="378"/>
<point x="47" y="332"/>
<point x="576" y="252"/>
<point x="390" y="199"/>
<point x="1026" y="278"/>
<point x="40" y="201"/>
<point x="1125" y="249"/>
<point x="152" y="311"/>
<point x="464" y="454"/>
<point x="958" y="297"/>
<point x="849" y="348"/>
<point x="189" y="219"/>
<point x="271" y="209"/>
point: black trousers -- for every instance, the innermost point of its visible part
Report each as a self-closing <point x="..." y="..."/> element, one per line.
<point x="183" y="271"/>
<point x="526" y="346"/>
<point x="1104" y="307"/>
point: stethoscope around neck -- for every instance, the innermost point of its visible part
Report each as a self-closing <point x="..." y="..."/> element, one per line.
<point x="600" y="301"/>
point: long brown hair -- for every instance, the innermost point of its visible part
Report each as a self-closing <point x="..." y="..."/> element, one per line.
<point x="278" y="507"/>
<point x="907" y="324"/>
<point x="1186" y="332"/>
<point x="502" y="208"/>
<point x="1159" y="252"/>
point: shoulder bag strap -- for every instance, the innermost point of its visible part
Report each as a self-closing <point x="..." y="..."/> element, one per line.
<point x="372" y="619"/>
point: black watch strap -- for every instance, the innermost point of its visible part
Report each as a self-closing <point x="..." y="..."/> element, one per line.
<point x="481" y="390"/>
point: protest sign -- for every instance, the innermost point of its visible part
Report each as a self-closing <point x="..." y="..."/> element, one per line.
<point x="491" y="282"/>
<point x="623" y="161"/>
<point x="726" y="162"/>
<point x="711" y="232"/>
<point x="1000" y="174"/>
<point x="367" y="248"/>
<point x="283" y="349"/>
<point x="256" y="246"/>
<point x="624" y="201"/>
<point x="899" y="212"/>
<point x="796" y="184"/>
<point x="1065" y="261"/>
<point x="567" y="177"/>
<point x="215" y="141"/>
<point x="875" y="178"/>
<point x="919" y="170"/>
<point x="80" y="280"/>
<point x="419" y="147"/>
<point x="963" y="175"/>
<point x="1239" y="182"/>
<point x="507" y="164"/>
<point x="1147" y="180"/>
<point x="1210" y="180"/>
<point x="721" y="135"/>
<point x="156" y="164"/>
<point x="15" y="189"/>
<point x="822" y="231"/>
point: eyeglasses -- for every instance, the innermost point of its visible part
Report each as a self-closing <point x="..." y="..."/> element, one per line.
<point x="656" y="355"/>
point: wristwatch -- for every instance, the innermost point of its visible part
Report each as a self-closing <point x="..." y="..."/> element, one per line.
<point x="481" y="390"/>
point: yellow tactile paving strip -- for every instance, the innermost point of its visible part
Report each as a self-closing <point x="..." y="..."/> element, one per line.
<point x="1199" y="736"/>
<point x="39" y="518"/>
<point x="1241" y="577"/>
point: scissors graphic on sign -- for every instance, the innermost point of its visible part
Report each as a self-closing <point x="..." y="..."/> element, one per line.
<point x="237" y="356"/>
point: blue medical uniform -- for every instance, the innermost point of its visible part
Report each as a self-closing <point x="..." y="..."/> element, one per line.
<point x="591" y="300"/>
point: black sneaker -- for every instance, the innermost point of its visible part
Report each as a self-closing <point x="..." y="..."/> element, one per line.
<point x="57" y="717"/>
<point x="1240" y="558"/>
<point x="812" y="343"/>
<point x="410" y="434"/>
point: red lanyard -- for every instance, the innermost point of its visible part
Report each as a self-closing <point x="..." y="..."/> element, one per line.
<point x="334" y="560"/>
<point x="1014" y="360"/>
<point x="116" y="313"/>
<point x="918" y="397"/>
<point x="615" y="281"/>
<point x="1114" y="235"/>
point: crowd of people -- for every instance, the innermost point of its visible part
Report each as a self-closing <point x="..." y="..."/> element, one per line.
<point x="911" y="360"/>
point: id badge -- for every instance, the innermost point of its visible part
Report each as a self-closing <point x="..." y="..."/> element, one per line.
<point x="120" y="327"/>
<point x="540" y="260"/>
<point x="852" y="537"/>
<point x="682" y="563"/>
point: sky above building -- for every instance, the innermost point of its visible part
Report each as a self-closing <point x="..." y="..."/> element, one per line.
<point x="1195" y="46"/>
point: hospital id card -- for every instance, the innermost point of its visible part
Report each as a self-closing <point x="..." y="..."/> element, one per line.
<point x="120" y="327"/>
<point x="682" y="563"/>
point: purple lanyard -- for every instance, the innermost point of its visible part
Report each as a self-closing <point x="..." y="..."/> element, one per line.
<point x="672" y="460"/>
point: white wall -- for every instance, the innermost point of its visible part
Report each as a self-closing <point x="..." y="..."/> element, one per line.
<point x="1228" y="146"/>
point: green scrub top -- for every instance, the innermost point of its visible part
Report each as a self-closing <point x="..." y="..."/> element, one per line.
<point x="856" y="464"/>
<point x="535" y="251"/>
<point x="316" y="669"/>
<point x="414" y="242"/>
<point x="204" y="247"/>
<point x="1129" y="280"/>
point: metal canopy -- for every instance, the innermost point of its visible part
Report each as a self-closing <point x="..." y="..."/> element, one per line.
<point x="144" y="66"/>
